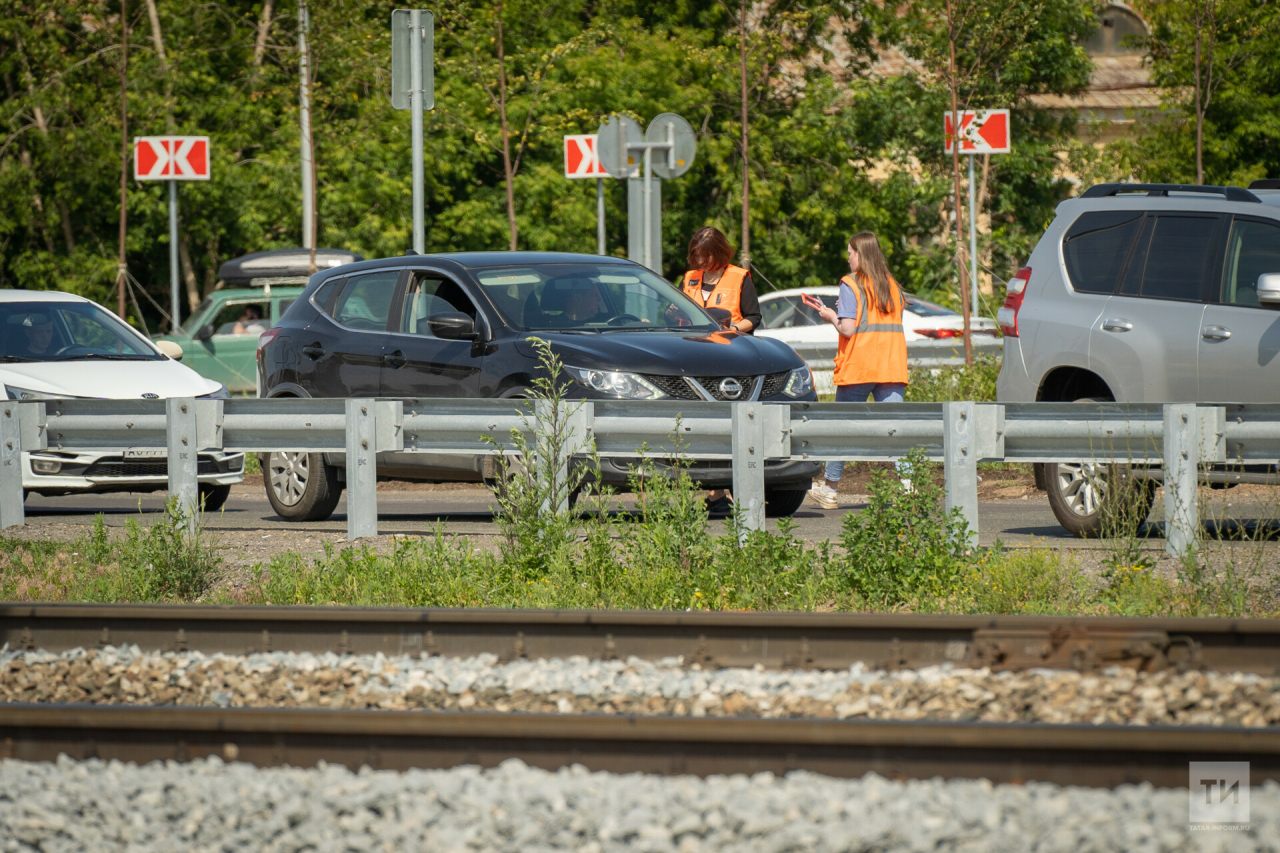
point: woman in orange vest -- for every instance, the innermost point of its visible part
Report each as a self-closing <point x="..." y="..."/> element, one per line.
<point x="872" y="356"/>
<point x="713" y="282"/>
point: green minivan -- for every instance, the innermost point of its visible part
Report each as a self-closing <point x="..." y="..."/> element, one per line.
<point x="220" y="340"/>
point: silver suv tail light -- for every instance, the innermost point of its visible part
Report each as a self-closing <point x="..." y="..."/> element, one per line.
<point x="1007" y="316"/>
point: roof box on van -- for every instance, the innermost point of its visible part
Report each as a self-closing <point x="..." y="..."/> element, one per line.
<point x="282" y="264"/>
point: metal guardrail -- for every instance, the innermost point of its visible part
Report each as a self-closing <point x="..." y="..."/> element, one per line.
<point x="1177" y="436"/>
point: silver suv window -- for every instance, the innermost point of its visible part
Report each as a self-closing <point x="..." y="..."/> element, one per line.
<point x="1173" y="258"/>
<point x="1096" y="246"/>
<point x="1252" y="250"/>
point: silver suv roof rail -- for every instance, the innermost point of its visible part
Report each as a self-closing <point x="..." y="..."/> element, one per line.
<point x="1231" y="193"/>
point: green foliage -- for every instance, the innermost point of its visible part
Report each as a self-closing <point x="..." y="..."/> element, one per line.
<point x="164" y="562"/>
<point x="945" y="384"/>
<point x="536" y="485"/>
<point x="904" y="544"/>
<point x="820" y="127"/>
<point x="1239" y="90"/>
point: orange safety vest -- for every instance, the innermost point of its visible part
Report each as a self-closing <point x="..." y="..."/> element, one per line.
<point x="727" y="293"/>
<point x="877" y="351"/>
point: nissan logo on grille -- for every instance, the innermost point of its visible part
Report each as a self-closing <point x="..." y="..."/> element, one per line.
<point x="730" y="388"/>
<point x="150" y="396"/>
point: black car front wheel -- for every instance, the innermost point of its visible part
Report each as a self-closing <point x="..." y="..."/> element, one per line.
<point x="301" y="486"/>
<point x="213" y="497"/>
<point x="782" y="502"/>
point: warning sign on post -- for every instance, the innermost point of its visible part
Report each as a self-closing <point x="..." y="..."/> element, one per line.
<point x="581" y="157"/>
<point x="171" y="158"/>
<point x="981" y="131"/>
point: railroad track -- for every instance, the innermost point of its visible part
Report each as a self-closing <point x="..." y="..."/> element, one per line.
<point x="774" y="640"/>
<point x="1098" y="756"/>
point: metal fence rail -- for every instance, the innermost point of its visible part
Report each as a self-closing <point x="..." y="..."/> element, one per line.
<point x="1178" y="437"/>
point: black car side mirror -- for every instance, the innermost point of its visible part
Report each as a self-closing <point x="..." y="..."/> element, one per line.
<point x="452" y="326"/>
<point x="721" y="316"/>
<point x="203" y="333"/>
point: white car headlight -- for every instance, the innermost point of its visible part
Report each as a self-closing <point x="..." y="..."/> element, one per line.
<point x="221" y="394"/>
<point x="799" y="383"/>
<point x="628" y="386"/>
<point x="13" y="392"/>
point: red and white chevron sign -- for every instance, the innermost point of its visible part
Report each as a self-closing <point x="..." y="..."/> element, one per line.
<point x="581" y="159"/>
<point x="981" y="132"/>
<point x="171" y="158"/>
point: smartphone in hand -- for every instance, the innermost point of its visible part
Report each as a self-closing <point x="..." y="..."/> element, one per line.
<point x="812" y="301"/>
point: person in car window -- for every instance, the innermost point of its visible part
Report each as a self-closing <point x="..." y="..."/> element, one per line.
<point x="871" y="358"/>
<point x="583" y="305"/>
<point x="250" y="322"/>
<point x="37" y="332"/>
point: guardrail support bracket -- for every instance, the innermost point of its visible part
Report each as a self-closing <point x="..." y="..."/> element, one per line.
<point x="362" y="469"/>
<point x="748" y="463"/>
<point x="1181" y="460"/>
<point x="960" y="462"/>
<point x="183" y="457"/>
<point x="11" y="510"/>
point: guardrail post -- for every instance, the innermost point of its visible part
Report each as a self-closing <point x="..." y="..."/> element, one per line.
<point x="747" y="427"/>
<point x="362" y="469"/>
<point x="12" y="513"/>
<point x="1181" y="461"/>
<point x="183" y="460"/>
<point x="960" y="462"/>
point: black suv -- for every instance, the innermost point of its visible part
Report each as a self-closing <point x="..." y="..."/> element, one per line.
<point x="458" y="325"/>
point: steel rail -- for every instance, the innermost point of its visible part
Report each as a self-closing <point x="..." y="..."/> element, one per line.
<point x="775" y="640"/>
<point x="1101" y="756"/>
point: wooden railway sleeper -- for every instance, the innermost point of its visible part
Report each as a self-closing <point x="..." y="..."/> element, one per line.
<point x="1081" y="649"/>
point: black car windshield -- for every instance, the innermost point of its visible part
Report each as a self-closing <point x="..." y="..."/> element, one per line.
<point x="593" y="297"/>
<point x="67" y="331"/>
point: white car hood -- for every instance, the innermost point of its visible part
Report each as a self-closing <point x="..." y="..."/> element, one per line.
<point x="110" y="380"/>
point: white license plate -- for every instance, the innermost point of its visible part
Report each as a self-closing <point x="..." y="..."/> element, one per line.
<point x="147" y="453"/>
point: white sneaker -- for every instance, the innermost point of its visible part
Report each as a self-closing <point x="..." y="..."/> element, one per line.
<point x="825" y="497"/>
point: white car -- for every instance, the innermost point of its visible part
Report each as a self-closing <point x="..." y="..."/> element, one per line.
<point x="934" y="334"/>
<point x="56" y="346"/>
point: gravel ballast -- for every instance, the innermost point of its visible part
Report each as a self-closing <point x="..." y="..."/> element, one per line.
<point x="124" y="675"/>
<point x="208" y="805"/>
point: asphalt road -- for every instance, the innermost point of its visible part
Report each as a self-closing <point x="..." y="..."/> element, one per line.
<point x="465" y="510"/>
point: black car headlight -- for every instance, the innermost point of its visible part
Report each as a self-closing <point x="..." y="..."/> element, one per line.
<point x="628" y="386"/>
<point x="799" y="383"/>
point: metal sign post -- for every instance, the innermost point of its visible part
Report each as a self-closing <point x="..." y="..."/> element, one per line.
<point x="619" y="143"/>
<point x="582" y="160"/>
<point x="981" y="132"/>
<point x="413" y="89"/>
<point x="172" y="159"/>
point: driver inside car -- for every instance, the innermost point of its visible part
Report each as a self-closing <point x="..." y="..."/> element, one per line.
<point x="580" y="300"/>
<point x="37" y="330"/>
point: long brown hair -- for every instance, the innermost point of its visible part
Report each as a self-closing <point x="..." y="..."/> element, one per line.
<point x="871" y="263"/>
<point x="709" y="250"/>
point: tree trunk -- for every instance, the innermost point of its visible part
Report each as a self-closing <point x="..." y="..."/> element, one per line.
<point x="188" y="275"/>
<point x="745" y="254"/>
<point x="955" y="176"/>
<point x="124" y="152"/>
<point x="264" y="28"/>
<point x="985" y="284"/>
<point x="506" y="137"/>
<point x="1199" y="110"/>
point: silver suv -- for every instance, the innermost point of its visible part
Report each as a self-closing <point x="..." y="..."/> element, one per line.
<point x="1146" y="293"/>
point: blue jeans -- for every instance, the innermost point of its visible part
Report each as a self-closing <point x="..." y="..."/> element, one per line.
<point x="882" y="392"/>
